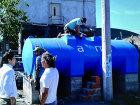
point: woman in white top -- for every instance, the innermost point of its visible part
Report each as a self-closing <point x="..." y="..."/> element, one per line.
<point x="49" y="80"/>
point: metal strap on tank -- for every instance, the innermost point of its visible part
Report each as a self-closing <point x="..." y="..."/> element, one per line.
<point x="58" y="44"/>
<point x="42" y="46"/>
<point x="127" y="45"/>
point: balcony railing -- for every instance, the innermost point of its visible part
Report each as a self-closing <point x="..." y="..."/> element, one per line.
<point x="61" y="20"/>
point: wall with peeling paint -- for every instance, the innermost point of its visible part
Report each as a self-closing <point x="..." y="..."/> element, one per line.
<point x="39" y="11"/>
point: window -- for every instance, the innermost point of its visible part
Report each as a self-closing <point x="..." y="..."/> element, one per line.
<point x="54" y="11"/>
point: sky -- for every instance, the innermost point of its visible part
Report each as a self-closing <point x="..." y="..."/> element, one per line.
<point x="124" y="14"/>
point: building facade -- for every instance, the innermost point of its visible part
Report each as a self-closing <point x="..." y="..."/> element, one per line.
<point x="60" y="11"/>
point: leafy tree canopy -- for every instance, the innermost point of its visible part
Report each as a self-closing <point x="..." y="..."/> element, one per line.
<point x="11" y="16"/>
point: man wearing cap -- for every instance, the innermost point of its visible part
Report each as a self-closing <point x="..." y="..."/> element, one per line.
<point x="39" y="68"/>
<point x="73" y="26"/>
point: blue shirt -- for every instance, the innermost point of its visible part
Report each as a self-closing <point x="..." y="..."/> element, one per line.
<point x="72" y="24"/>
<point x="41" y="69"/>
<point x="7" y="82"/>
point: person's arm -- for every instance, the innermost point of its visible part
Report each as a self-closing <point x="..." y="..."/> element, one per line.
<point x="8" y="85"/>
<point x="38" y="61"/>
<point x="44" y="50"/>
<point x="36" y="73"/>
<point x="44" y="95"/>
<point x="77" y="30"/>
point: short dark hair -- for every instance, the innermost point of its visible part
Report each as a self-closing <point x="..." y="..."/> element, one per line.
<point x="84" y="19"/>
<point x="49" y="59"/>
<point x="6" y="56"/>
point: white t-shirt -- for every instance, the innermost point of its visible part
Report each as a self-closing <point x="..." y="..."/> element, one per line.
<point x="50" y="79"/>
<point x="7" y="82"/>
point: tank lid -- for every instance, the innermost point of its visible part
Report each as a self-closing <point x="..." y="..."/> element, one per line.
<point x="97" y="38"/>
<point x="31" y="37"/>
<point x="117" y="38"/>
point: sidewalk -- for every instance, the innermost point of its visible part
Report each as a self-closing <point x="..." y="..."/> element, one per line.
<point x="20" y="101"/>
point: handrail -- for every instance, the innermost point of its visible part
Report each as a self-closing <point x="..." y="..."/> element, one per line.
<point x="66" y="19"/>
<point x="62" y="18"/>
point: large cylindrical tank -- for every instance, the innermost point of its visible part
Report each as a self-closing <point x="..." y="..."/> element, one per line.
<point x="78" y="56"/>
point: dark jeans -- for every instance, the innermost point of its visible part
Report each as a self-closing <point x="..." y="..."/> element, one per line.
<point x="37" y="87"/>
<point x="54" y="103"/>
<point x="67" y="30"/>
<point x="4" y="101"/>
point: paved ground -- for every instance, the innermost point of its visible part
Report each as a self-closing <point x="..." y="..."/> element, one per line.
<point x="20" y="101"/>
<point x="66" y="101"/>
<point x="20" y="98"/>
<point x="91" y="103"/>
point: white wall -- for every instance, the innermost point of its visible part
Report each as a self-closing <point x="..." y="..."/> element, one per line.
<point x="39" y="11"/>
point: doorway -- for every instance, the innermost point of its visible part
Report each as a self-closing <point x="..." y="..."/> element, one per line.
<point x="56" y="18"/>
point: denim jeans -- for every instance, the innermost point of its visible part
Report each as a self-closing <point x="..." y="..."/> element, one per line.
<point x="54" y="103"/>
<point x="4" y="101"/>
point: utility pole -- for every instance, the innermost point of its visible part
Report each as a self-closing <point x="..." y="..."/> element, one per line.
<point x="106" y="52"/>
<point x="20" y="39"/>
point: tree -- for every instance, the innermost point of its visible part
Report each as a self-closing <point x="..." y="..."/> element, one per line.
<point x="11" y="17"/>
<point x="0" y="42"/>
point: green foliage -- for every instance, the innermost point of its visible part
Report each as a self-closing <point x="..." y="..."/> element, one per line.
<point x="11" y="16"/>
<point x="0" y="44"/>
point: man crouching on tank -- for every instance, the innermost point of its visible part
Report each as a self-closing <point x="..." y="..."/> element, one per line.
<point x="72" y="28"/>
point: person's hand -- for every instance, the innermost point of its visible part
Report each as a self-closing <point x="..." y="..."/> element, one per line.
<point x="35" y="82"/>
<point x="36" y="46"/>
<point x="12" y="99"/>
<point x="54" y="58"/>
<point x="30" y="76"/>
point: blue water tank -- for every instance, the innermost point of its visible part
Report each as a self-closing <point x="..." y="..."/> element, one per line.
<point x="78" y="56"/>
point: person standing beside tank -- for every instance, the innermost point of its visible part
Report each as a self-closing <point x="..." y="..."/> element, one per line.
<point x="73" y="26"/>
<point x="49" y="80"/>
<point x="8" y="89"/>
<point x="39" y="68"/>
